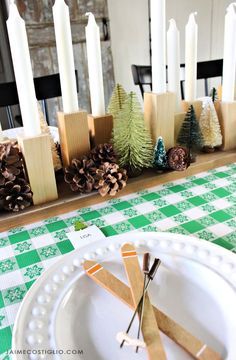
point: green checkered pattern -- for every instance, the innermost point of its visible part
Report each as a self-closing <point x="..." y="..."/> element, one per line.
<point x="203" y="206"/>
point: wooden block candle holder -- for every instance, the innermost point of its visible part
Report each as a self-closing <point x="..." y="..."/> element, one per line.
<point x="74" y="135"/>
<point x="179" y="119"/>
<point x="226" y="112"/>
<point x="159" y="116"/>
<point x="39" y="165"/>
<point x="100" y="129"/>
<point x="197" y="105"/>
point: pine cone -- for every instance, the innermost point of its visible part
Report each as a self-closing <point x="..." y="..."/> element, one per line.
<point x="80" y="175"/>
<point x="16" y="195"/>
<point x="178" y="158"/>
<point x="11" y="163"/>
<point x="103" y="153"/>
<point x="110" y="179"/>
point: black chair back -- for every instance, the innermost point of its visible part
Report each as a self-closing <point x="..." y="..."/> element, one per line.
<point x="46" y="87"/>
<point x="142" y="74"/>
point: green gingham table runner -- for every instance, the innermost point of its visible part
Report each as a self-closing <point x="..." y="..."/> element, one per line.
<point x="203" y="206"/>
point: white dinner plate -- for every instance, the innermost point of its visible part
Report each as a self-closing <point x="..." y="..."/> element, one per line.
<point x="65" y="310"/>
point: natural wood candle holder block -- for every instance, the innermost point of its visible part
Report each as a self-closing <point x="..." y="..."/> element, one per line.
<point x="197" y="105"/>
<point x="179" y="118"/>
<point x="226" y="112"/>
<point x="159" y="116"/>
<point x="100" y="129"/>
<point x="74" y="135"/>
<point x="40" y="170"/>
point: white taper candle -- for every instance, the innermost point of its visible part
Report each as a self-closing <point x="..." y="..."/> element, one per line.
<point x="191" y="39"/>
<point x="228" y="85"/>
<point x="95" y="66"/>
<point x="158" y="34"/>
<point x="61" y="18"/>
<point x="23" y="71"/>
<point x="173" y="60"/>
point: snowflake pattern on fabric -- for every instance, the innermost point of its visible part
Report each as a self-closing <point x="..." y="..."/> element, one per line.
<point x="207" y="221"/>
<point x="186" y="194"/>
<point x="184" y="206"/>
<point x="160" y="202"/>
<point x="23" y="246"/>
<point x="178" y="230"/>
<point x="98" y="222"/>
<point x="231" y="211"/>
<point x="210" y="186"/>
<point x="38" y="231"/>
<point x="136" y="201"/>
<point x="181" y="218"/>
<point x="51" y="220"/>
<point x="123" y="227"/>
<point x="232" y="223"/>
<point x="164" y="192"/>
<point x="206" y="235"/>
<point x="188" y="185"/>
<point x="48" y="251"/>
<point x="155" y="216"/>
<point x="142" y="192"/>
<point x="7" y="265"/>
<point x="3" y="242"/>
<point x="16" y="230"/>
<point x="60" y="235"/>
<point x="33" y="271"/>
<point x="84" y="210"/>
<point x="71" y="221"/>
<point x="231" y="238"/>
<point x="107" y="210"/>
<point x="130" y="212"/>
<point x="149" y="228"/>
<point x="208" y="208"/>
<point x="15" y="294"/>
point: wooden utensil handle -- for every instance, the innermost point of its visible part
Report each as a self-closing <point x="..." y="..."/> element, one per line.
<point x="191" y="344"/>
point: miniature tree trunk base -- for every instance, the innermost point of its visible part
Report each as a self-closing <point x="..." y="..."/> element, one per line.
<point x="193" y="157"/>
<point x="208" y="149"/>
<point x="133" y="173"/>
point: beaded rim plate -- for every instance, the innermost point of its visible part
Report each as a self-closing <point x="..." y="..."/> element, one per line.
<point x="34" y="328"/>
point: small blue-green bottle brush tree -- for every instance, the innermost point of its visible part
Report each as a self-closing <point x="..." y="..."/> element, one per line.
<point x="131" y="139"/>
<point x="160" y="158"/>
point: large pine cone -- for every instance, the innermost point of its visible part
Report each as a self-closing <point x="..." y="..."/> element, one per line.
<point x="11" y="163"/>
<point x="110" y="179"/>
<point x="103" y="153"/>
<point x="16" y="195"/>
<point x="80" y="175"/>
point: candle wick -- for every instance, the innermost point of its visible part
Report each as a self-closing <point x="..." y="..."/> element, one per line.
<point x="232" y="6"/>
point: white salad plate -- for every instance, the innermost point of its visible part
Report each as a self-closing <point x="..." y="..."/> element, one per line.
<point x="65" y="310"/>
